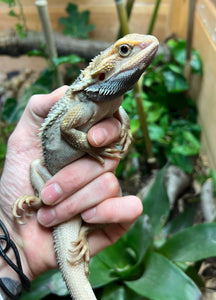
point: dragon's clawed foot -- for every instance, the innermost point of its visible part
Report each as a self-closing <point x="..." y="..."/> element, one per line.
<point x="80" y="250"/>
<point x="125" y="139"/>
<point x="24" y="205"/>
<point x="106" y="152"/>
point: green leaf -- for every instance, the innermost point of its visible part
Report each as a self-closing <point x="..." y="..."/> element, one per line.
<point x="196" y="63"/>
<point x="175" y="69"/>
<point x="8" y="109"/>
<point x="36" y="52"/>
<point x="156" y="132"/>
<point x="192" y="244"/>
<point x="182" y="161"/>
<point x="115" y="291"/>
<point x="182" y="221"/>
<point x="174" y="82"/>
<point x="162" y="280"/>
<point x="100" y="273"/>
<point x="50" y="282"/>
<point x="76" y="24"/>
<point x="73" y="59"/>
<point x="10" y="3"/>
<point x="134" y="125"/>
<point x="156" y="203"/>
<point x="189" y="145"/>
<point x="178" y="49"/>
<point x="20" y="30"/>
<point x="12" y="13"/>
<point x="123" y="259"/>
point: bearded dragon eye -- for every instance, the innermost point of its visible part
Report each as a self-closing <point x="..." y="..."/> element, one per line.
<point x="124" y="50"/>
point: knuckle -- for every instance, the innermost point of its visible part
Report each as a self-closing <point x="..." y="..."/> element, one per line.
<point x="70" y="207"/>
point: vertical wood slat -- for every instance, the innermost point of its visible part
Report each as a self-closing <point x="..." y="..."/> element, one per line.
<point x="204" y="91"/>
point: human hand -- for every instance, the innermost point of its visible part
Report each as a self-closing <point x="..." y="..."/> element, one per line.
<point x="84" y="187"/>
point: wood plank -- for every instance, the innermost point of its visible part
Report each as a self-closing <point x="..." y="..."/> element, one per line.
<point x="206" y="101"/>
<point x="102" y="14"/>
<point x="204" y="41"/>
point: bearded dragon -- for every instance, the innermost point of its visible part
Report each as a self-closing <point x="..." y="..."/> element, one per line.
<point x="95" y="95"/>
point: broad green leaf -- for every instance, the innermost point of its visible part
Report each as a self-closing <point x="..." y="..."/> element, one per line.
<point x="100" y="272"/>
<point x="73" y="59"/>
<point x="123" y="259"/>
<point x="162" y="280"/>
<point x="192" y="244"/>
<point x="50" y="282"/>
<point x="156" y="203"/>
<point x="139" y="237"/>
<point x="115" y="291"/>
<point x="182" y="221"/>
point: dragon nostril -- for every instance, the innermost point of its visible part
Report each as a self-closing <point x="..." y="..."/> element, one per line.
<point x="144" y="45"/>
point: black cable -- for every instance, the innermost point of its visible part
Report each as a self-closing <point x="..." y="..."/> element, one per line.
<point x="16" y="267"/>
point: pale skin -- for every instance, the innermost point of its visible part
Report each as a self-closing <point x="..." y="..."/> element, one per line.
<point x="84" y="187"/>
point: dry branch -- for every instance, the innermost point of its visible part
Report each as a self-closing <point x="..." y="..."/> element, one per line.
<point x="11" y="44"/>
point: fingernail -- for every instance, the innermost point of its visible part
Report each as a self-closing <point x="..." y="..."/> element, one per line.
<point x="88" y="214"/>
<point x="51" y="193"/>
<point x="99" y="136"/>
<point x="46" y="216"/>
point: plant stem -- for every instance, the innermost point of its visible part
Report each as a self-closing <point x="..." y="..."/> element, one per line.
<point x="137" y="87"/>
<point x="123" y="18"/>
<point x="22" y="17"/>
<point x="143" y="122"/>
<point x="129" y="7"/>
<point x="154" y="16"/>
<point x="48" y="34"/>
<point x="190" y="25"/>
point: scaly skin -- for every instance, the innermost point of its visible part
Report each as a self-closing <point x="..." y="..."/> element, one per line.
<point x="95" y="95"/>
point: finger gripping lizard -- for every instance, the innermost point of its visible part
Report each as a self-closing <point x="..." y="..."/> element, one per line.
<point x="95" y="95"/>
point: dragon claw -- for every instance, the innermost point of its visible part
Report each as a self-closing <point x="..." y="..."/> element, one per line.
<point x="80" y="250"/>
<point x="23" y="206"/>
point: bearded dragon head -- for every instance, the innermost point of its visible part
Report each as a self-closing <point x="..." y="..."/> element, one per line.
<point x="115" y="70"/>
